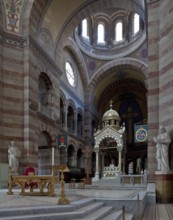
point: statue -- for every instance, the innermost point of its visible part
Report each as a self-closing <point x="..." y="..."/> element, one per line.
<point x="13" y="157"/>
<point x="162" y="141"/>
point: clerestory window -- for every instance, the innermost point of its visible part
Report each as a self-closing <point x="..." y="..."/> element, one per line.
<point x="85" y="33"/>
<point x="136" y="24"/>
<point x="100" y="34"/>
<point x="119" y="31"/>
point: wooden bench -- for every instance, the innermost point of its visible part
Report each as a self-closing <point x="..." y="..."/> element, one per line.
<point x="46" y="184"/>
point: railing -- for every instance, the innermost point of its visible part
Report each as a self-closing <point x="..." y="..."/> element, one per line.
<point x="133" y="179"/>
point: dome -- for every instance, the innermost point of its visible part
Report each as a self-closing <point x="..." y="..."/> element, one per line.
<point x="111" y="114"/>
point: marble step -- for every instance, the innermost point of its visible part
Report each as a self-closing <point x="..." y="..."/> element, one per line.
<point x="117" y="215"/>
<point x="77" y="213"/>
<point x="98" y="214"/>
<point x="45" y="209"/>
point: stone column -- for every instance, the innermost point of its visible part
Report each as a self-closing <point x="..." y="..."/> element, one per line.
<point x="75" y="122"/>
<point x="65" y="115"/>
<point x="97" y="164"/>
<point x="119" y="157"/>
<point x="103" y="160"/>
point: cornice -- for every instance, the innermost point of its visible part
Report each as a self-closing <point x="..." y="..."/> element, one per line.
<point x="152" y="1"/>
<point x="27" y="40"/>
<point x="71" y="93"/>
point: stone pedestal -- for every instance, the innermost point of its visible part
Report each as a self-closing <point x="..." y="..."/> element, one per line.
<point x="88" y="181"/>
<point x="164" y="187"/>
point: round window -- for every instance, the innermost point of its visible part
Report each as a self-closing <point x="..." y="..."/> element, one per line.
<point x="70" y="73"/>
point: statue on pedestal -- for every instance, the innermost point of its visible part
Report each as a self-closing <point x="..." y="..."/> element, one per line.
<point x="162" y="141"/>
<point x="13" y="157"/>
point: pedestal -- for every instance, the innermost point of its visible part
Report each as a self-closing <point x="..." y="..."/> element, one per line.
<point x="96" y="178"/>
<point x="88" y="181"/>
<point x="164" y="183"/>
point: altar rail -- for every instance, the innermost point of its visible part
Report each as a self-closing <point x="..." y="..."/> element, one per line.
<point x="46" y="184"/>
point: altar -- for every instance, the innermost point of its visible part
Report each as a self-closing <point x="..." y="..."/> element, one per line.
<point x="111" y="172"/>
<point x="109" y="142"/>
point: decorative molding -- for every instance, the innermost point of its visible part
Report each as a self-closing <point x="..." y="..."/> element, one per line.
<point x="72" y="94"/>
<point x="13" y="12"/>
<point x="152" y="1"/>
<point x="109" y="132"/>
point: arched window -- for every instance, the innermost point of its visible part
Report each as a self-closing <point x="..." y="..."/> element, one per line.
<point x="70" y="119"/>
<point x="79" y="124"/>
<point x="44" y="89"/>
<point x="119" y="31"/>
<point x="85" y="28"/>
<point x="136" y="25"/>
<point x="62" y="114"/>
<point x="100" y="34"/>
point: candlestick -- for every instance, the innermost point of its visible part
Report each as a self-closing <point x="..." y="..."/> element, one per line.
<point x="53" y="155"/>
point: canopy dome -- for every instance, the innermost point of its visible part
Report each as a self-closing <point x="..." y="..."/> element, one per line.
<point x="111" y="114"/>
<point x="111" y="118"/>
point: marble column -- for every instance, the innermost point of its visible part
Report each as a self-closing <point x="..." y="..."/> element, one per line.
<point x="97" y="165"/>
<point x="119" y="157"/>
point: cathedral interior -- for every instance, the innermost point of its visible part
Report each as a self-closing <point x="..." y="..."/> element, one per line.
<point x="65" y="64"/>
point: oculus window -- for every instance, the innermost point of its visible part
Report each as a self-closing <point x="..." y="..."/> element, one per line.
<point x="70" y="73"/>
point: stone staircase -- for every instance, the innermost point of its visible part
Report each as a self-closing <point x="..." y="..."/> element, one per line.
<point x="85" y="209"/>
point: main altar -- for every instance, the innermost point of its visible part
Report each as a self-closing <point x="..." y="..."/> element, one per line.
<point x="109" y="142"/>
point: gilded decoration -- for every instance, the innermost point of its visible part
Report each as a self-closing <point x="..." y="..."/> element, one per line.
<point x="13" y="12"/>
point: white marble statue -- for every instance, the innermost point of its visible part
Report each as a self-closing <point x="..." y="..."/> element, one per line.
<point x="162" y="141"/>
<point x="13" y="157"/>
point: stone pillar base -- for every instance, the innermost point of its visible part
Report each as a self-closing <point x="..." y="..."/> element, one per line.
<point x="88" y="181"/>
<point x="96" y="178"/>
<point x="164" y="183"/>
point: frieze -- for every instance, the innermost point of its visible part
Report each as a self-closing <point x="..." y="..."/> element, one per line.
<point x="14" y="39"/>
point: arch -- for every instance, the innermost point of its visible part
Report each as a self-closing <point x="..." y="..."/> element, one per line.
<point x="79" y="124"/>
<point x="71" y="156"/>
<point x="44" y="153"/>
<point x="79" y="158"/>
<point x="72" y="47"/>
<point x="45" y="86"/>
<point x="115" y="66"/>
<point x="107" y="136"/>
